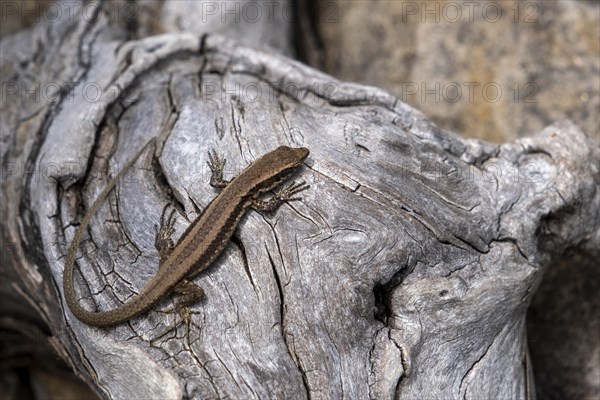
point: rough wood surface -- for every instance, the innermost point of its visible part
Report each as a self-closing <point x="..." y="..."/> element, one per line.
<point x="540" y="58"/>
<point x="405" y="271"/>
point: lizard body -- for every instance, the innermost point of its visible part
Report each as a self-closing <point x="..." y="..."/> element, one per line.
<point x="206" y="237"/>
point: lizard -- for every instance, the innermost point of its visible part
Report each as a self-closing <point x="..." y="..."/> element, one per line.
<point x="204" y="239"/>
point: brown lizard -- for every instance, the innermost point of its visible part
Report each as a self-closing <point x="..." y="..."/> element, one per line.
<point x="203" y="241"/>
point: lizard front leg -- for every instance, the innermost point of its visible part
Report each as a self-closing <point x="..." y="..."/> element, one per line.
<point x="285" y="194"/>
<point x="216" y="165"/>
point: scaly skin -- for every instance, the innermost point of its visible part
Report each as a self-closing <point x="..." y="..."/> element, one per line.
<point x="203" y="241"/>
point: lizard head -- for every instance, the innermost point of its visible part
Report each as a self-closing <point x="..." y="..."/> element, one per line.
<point x="290" y="156"/>
<point x="278" y="165"/>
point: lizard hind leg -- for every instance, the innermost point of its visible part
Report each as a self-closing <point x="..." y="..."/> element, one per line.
<point x="163" y="240"/>
<point x="188" y="294"/>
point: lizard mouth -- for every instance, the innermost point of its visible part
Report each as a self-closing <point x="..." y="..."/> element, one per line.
<point x="302" y="152"/>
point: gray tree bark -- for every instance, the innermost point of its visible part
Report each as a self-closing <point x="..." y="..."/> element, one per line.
<point x="405" y="272"/>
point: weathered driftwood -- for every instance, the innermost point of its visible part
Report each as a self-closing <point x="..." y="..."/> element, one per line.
<point x="405" y="272"/>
